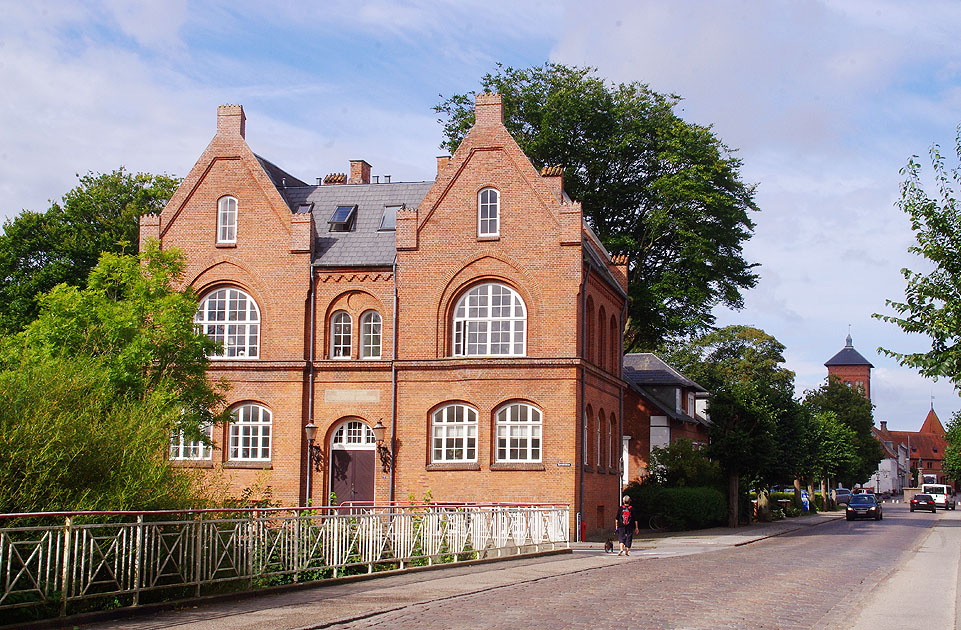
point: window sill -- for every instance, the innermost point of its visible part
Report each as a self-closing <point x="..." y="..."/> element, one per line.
<point x="191" y="463"/>
<point x="264" y="465"/>
<point x="452" y="466"/>
<point x="587" y="468"/>
<point x="517" y="466"/>
<point x="225" y="245"/>
<point x="492" y="237"/>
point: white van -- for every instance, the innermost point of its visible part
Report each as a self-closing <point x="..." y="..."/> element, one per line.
<point x="943" y="495"/>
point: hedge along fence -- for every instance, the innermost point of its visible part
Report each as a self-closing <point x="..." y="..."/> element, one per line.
<point x="97" y="560"/>
<point x="681" y="508"/>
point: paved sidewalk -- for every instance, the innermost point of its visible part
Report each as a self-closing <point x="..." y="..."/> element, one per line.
<point x="328" y="605"/>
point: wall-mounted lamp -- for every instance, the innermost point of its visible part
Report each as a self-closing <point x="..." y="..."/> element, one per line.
<point x="314" y="455"/>
<point x="386" y="457"/>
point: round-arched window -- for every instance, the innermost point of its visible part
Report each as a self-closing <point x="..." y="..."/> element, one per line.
<point x="230" y="317"/>
<point x="353" y="434"/>
<point x="490" y="320"/>
<point x="518" y="427"/>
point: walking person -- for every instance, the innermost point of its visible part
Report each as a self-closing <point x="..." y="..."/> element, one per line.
<point x="626" y="526"/>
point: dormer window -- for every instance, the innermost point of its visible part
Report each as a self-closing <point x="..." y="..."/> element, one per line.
<point x="227" y="220"/>
<point x="389" y="222"/>
<point x="342" y="220"/>
<point x="488" y="212"/>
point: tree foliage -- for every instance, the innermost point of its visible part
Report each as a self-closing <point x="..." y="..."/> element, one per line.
<point x="680" y="464"/>
<point x="852" y="409"/>
<point x="95" y="385"/>
<point x="951" y="465"/>
<point x="932" y="300"/>
<point x="664" y="191"/>
<point x="39" y="250"/>
<point x="834" y="446"/>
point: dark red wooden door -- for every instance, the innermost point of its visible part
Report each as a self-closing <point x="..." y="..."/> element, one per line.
<point x="352" y="475"/>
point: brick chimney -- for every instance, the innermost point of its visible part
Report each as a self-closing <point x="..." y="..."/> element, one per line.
<point x="488" y="109"/>
<point x="442" y="161"/>
<point x="884" y="425"/>
<point x="359" y="172"/>
<point x="231" y="121"/>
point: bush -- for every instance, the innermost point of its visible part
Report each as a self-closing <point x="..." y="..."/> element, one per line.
<point x="682" y="508"/>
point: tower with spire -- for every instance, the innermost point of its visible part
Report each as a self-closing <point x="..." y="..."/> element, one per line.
<point x="849" y="367"/>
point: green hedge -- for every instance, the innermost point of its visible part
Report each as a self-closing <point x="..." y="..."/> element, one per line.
<point x="682" y="508"/>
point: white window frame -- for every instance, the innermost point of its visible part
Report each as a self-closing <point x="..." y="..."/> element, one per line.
<point x="371" y="335"/>
<point x="600" y="421"/>
<point x="231" y="317"/>
<point x="486" y="315"/>
<point x="660" y="432"/>
<point x="453" y="430"/>
<point x="249" y="436"/>
<point x="690" y="404"/>
<point x="182" y="449"/>
<point x="353" y="435"/>
<point x="519" y="431"/>
<point x="341" y="335"/>
<point x="227" y="219"/>
<point x="488" y="212"/>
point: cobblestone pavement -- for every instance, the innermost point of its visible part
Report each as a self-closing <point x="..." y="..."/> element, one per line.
<point x="808" y="578"/>
<point x="805" y="579"/>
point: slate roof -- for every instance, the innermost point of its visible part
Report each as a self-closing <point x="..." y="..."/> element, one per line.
<point x="281" y="178"/>
<point x="365" y="245"/>
<point x="848" y="356"/>
<point x="645" y="368"/>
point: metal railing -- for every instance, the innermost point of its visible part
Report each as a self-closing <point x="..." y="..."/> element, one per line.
<point x="78" y="559"/>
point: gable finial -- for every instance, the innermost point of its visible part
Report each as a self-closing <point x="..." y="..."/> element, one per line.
<point x="848" y="342"/>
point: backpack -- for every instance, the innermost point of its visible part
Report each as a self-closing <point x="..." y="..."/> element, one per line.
<point x="625" y="515"/>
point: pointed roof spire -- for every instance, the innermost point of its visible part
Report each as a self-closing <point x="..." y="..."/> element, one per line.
<point x="848" y="355"/>
<point x="932" y="424"/>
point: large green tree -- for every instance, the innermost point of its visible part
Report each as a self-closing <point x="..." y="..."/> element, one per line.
<point x="855" y="411"/>
<point x="93" y="388"/>
<point x="932" y="298"/>
<point x="952" y="455"/>
<point x="751" y="399"/>
<point x="39" y="250"/>
<point x="666" y="192"/>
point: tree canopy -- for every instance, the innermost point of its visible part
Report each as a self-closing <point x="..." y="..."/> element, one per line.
<point x="39" y="250"/>
<point x="932" y="299"/>
<point x="666" y="192"/>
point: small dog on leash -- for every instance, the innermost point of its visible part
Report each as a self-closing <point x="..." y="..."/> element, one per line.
<point x="609" y="545"/>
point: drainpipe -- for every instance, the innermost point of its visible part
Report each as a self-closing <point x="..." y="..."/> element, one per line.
<point x="393" y="393"/>
<point x="580" y="497"/>
<point x="620" y="404"/>
<point x="310" y="371"/>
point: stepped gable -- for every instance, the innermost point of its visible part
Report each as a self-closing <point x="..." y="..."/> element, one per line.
<point x="848" y="356"/>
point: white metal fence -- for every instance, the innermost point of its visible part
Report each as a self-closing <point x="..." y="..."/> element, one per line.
<point x="141" y="555"/>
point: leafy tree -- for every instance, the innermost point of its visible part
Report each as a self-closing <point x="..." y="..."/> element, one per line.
<point x="854" y="410"/>
<point x="681" y="464"/>
<point x="834" y="446"/>
<point x="951" y="465"/>
<point x="95" y="385"/>
<point x="751" y="392"/>
<point x="39" y="250"/>
<point x="664" y="191"/>
<point x="932" y="300"/>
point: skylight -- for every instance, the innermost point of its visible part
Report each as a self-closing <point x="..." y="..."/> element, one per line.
<point x="342" y="218"/>
<point x="389" y="222"/>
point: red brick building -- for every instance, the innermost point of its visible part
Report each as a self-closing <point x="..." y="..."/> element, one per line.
<point x="852" y="369"/>
<point x="477" y="317"/>
<point x="660" y="407"/>
<point x="925" y="447"/>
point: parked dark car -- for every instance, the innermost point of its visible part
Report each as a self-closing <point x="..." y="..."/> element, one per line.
<point x="863" y="506"/>
<point x="923" y="502"/>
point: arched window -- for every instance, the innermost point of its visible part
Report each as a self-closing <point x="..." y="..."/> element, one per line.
<point x="454" y="434"/>
<point x="353" y="434"/>
<point x="488" y="212"/>
<point x="518" y="433"/>
<point x="370" y="331"/>
<point x="586" y="438"/>
<point x="232" y="318"/>
<point x="249" y="438"/>
<point x="601" y="338"/>
<point x="598" y="446"/>
<point x="613" y="435"/>
<point x="340" y="332"/>
<point x="589" y="343"/>
<point x="616" y="349"/>
<point x="490" y="320"/>
<point x="227" y="220"/>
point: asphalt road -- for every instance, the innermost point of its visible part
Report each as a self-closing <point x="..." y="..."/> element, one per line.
<point x="829" y="573"/>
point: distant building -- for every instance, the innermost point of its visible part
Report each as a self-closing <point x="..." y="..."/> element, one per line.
<point x="925" y="447"/>
<point x="852" y="369"/>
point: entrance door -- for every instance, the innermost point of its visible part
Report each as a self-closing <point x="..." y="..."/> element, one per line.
<point x="352" y="454"/>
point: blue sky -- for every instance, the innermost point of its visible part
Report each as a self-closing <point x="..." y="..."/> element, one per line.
<point x="823" y="101"/>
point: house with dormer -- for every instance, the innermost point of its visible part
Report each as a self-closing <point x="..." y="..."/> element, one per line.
<point x="459" y="336"/>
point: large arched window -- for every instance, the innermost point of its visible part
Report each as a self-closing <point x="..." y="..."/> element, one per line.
<point x="490" y="320"/>
<point x="601" y="338"/>
<point x="454" y="434"/>
<point x="232" y="318"/>
<point x="341" y="327"/>
<point x="353" y="434"/>
<point x="613" y="447"/>
<point x="616" y="349"/>
<point x="518" y="427"/>
<point x="227" y="220"/>
<point x="249" y="438"/>
<point x="589" y="342"/>
<point x="599" y="445"/>
<point x="370" y="332"/>
<point x="488" y="212"/>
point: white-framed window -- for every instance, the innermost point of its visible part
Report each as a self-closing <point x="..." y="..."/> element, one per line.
<point x="488" y="212"/>
<point x="341" y="327"/>
<point x="227" y="220"/>
<point x="249" y="436"/>
<point x="613" y="436"/>
<point x="232" y="318"/>
<point x="600" y="438"/>
<point x="518" y="431"/>
<point x="454" y="434"/>
<point x="660" y="432"/>
<point x="183" y="449"/>
<point x="354" y="434"/>
<point x="371" y="325"/>
<point x="586" y="435"/>
<point x="490" y="320"/>
<point x="690" y="404"/>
